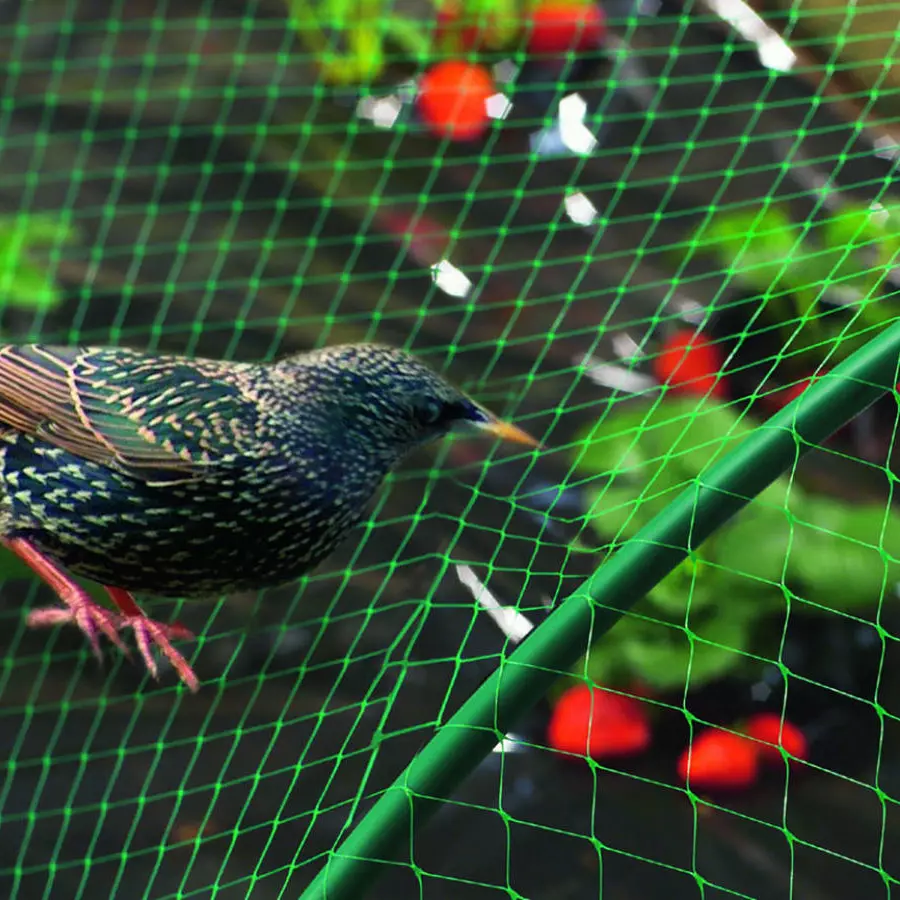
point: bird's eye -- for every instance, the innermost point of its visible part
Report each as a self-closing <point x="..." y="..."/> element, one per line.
<point x="430" y="412"/>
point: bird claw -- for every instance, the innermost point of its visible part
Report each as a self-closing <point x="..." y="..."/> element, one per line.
<point x="91" y="618"/>
<point x="148" y="632"/>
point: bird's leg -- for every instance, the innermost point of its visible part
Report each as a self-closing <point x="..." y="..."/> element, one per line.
<point x="88" y="615"/>
<point x="92" y="618"/>
<point x="147" y="632"/>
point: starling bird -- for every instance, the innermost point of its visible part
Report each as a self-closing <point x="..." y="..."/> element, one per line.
<point x="193" y="477"/>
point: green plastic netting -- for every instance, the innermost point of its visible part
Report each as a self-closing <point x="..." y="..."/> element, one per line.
<point x="244" y="178"/>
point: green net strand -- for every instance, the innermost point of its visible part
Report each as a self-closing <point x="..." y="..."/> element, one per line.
<point x="555" y="645"/>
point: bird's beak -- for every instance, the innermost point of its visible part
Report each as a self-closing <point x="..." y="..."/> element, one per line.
<point x="507" y="432"/>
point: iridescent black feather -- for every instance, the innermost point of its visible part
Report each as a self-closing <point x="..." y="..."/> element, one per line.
<point x="182" y="477"/>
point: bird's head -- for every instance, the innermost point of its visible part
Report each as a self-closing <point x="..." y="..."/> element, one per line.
<point x="391" y="398"/>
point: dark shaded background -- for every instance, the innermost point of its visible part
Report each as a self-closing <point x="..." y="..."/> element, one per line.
<point x="211" y="177"/>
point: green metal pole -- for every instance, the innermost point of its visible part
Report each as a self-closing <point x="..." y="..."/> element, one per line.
<point x="629" y="574"/>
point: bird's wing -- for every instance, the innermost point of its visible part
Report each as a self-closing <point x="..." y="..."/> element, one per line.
<point x="161" y="419"/>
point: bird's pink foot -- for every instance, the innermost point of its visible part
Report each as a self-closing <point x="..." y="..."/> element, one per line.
<point x="89" y="616"/>
<point x="93" y="619"/>
<point x="148" y="632"/>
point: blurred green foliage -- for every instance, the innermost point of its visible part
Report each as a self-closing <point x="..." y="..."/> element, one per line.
<point x="367" y="29"/>
<point x="842" y="258"/>
<point x="25" y="280"/>
<point x="789" y="548"/>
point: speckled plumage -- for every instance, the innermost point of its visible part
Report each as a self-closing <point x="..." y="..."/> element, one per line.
<point x="183" y="477"/>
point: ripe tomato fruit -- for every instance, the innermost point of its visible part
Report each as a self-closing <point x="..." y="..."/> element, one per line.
<point x="598" y="723"/>
<point x="690" y="363"/>
<point x="560" y="26"/>
<point x="776" y="732"/>
<point x="719" y="759"/>
<point x="452" y="99"/>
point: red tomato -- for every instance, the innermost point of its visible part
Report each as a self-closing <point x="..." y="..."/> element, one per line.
<point x="776" y="732"/>
<point x="719" y="759"/>
<point x="452" y="99"/>
<point x="598" y="723"/>
<point x="558" y="26"/>
<point x="689" y="363"/>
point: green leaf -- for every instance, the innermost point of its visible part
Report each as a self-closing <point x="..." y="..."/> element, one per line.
<point x="673" y="655"/>
<point x="694" y="435"/>
<point x="850" y="253"/>
<point x="614" y="512"/>
<point x="41" y="229"/>
<point x="692" y="432"/>
<point x="847" y="575"/>
<point x="755" y="247"/>
<point x="641" y="645"/>
<point x="618" y="512"/>
<point x="605" y="664"/>
<point x="27" y="286"/>
<point x="815" y="271"/>
<point x="692" y="586"/>
<point x="844" y="555"/>
<point x="756" y="545"/>
<point x="754" y="600"/>
<point x="650" y="454"/>
<point x="685" y="431"/>
<point x="605" y="656"/>
<point x="25" y="282"/>
<point x="612" y="445"/>
<point x="855" y="227"/>
<point x="867" y="523"/>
